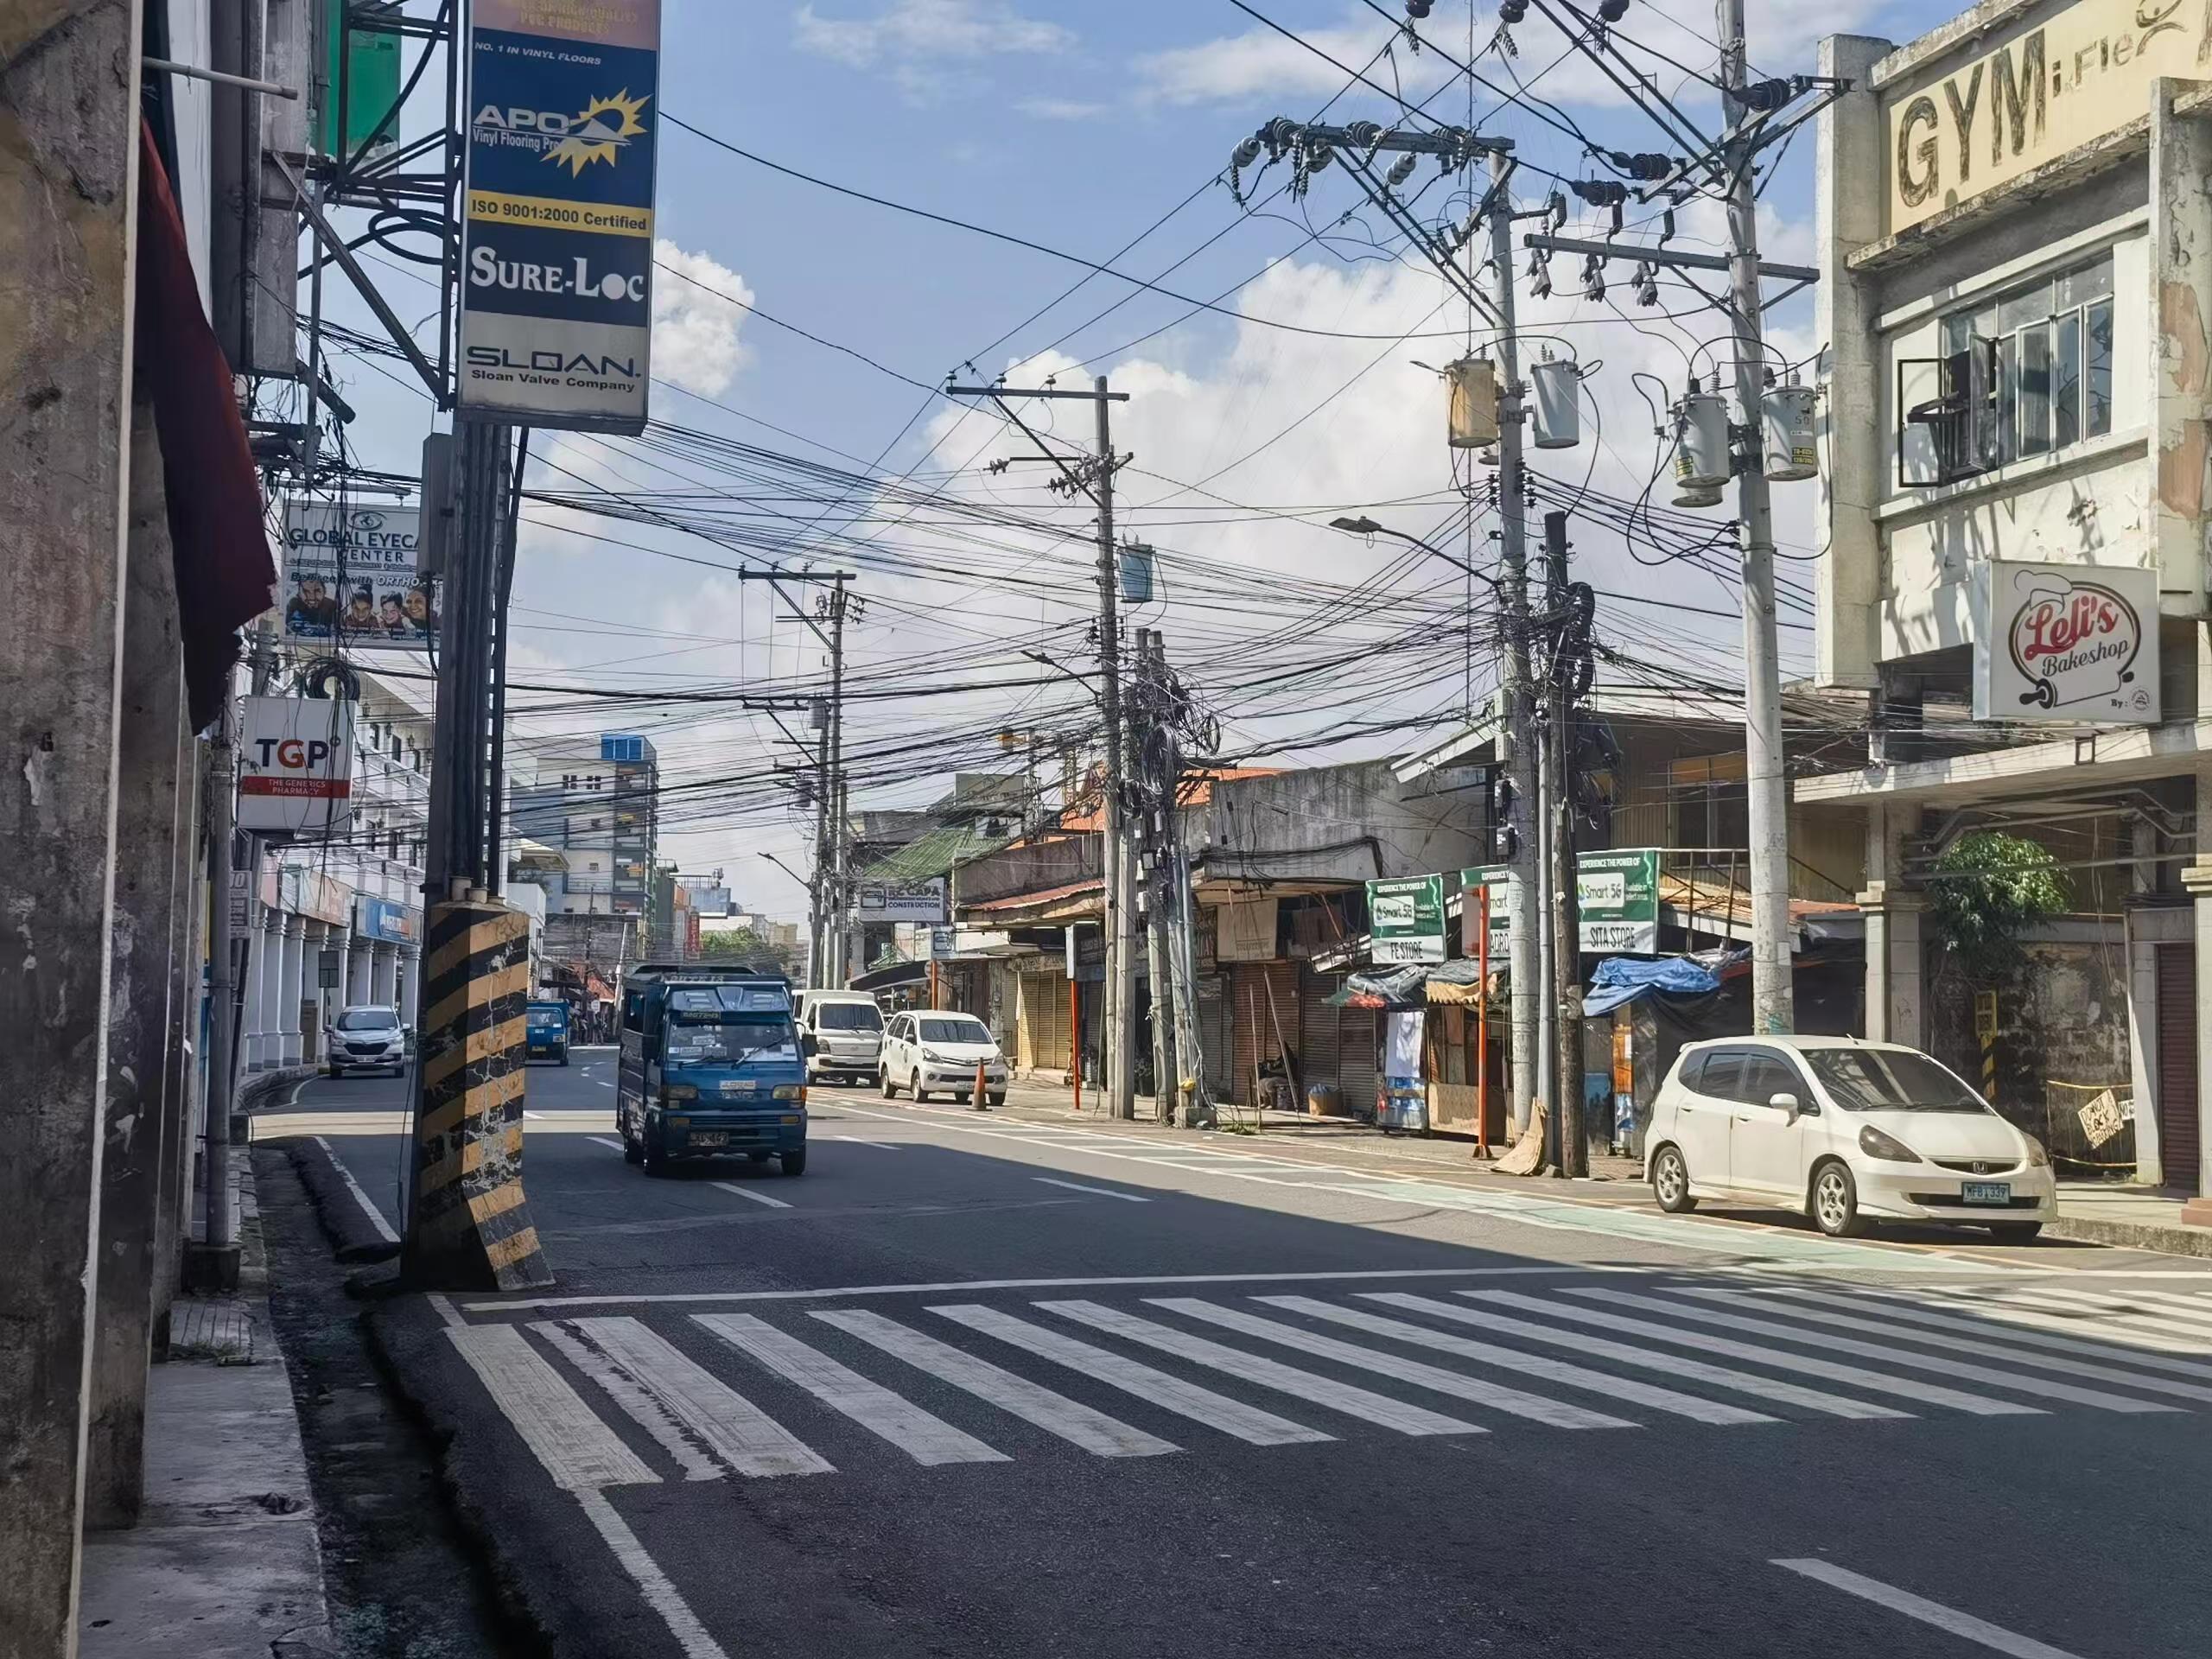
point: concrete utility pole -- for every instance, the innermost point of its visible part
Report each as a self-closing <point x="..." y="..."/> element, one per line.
<point x="1096" y="480"/>
<point x="1157" y="771"/>
<point x="1564" y="1109"/>
<point x="1773" y="999"/>
<point x="1525" y="987"/>
<point x="69" y="105"/>
<point x="837" y="902"/>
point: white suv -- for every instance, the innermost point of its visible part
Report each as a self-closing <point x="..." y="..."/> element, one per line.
<point x="842" y="1034"/>
<point x="366" y="1038"/>
<point x="1845" y="1131"/>
<point x="930" y="1051"/>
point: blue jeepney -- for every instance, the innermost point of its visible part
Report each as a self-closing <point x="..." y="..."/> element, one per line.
<point x="545" y="1032"/>
<point x="710" y="1068"/>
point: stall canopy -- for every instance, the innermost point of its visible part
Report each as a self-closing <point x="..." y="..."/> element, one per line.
<point x="1413" y="986"/>
<point x="1620" y="980"/>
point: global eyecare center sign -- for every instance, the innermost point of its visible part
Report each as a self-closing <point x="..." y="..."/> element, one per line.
<point x="2056" y="78"/>
<point x="1405" y="919"/>
<point x="557" y="246"/>
<point x="353" y="578"/>
<point x="2065" y="644"/>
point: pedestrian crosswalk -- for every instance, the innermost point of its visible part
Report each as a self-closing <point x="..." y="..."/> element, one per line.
<point x="621" y="1399"/>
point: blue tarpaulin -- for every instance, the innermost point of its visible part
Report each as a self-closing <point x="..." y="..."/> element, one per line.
<point x="1623" y="979"/>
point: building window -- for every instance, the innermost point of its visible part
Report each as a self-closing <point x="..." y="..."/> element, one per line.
<point x="2044" y="355"/>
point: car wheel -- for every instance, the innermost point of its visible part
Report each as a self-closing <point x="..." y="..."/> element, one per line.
<point x="890" y="1088"/>
<point x="1670" y="1182"/>
<point x="633" y="1151"/>
<point x="795" y="1162"/>
<point x="998" y="1099"/>
<point x="655" y="1157"/>
<point x="564" y="1056"/>
<point x="334" y="1072"/>
<point x="1835" y="1202"/>
<point x="2015" y="1232"/>
<point x="914" y="1087"/>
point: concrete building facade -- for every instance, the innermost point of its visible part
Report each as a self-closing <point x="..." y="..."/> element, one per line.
<point x="2016" y="316"/>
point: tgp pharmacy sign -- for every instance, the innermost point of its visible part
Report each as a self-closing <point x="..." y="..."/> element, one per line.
<point x="2068" y="643"/>
<point x="296" y="765"/>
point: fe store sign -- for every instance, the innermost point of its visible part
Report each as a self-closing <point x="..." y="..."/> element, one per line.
<point x="557" y="270"/>
<point x="296" y="765"/>
<point x="2066" y="643"/>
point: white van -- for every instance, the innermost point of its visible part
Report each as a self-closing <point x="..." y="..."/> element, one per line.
<point x="842" y="1034"/>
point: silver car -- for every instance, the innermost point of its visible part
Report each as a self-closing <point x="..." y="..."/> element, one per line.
<point x="366" y="1038"/>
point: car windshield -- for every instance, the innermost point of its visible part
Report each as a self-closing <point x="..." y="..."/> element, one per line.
<point x="726" y="1039"/>
<point x="542" y="1016"/>
<point x="849" y="1016"/>
<point x="367" y="1019"/>
<point x="1889" y="1080"/>
<point x="955" y="1031"/>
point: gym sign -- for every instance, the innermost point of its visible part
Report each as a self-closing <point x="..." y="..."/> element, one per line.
<point x="2066" y="643"/>
<point x="2054" y="81"/>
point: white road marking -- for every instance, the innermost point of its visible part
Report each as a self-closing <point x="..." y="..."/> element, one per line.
<point x="441" y="1304"/>
<point x="2038" y="1307"/>
<point x="603" y="1082"/>
<point x="1158" y="1388"/>
<point x="1264" y="1373"/>
<point x="921" y="1436"/>
<point x="2182" y="1328"/>
<point x="679" y="1402"/>
<point x="1960" y="1315"/>
<point x="757" y="1197"/>
<point x="1879" y="1382"/>
<point x="1696" y="1371"/>
<point x="1557" y="1413"/>
<point x="660" y="1595"/>
<point x="2196" y="1308"/>
<point x="1094" y="1431"/>
<point x="1888" y="1353"/>
<point x="577" y="1450"/>
<point x="602" y="1140"/>
<point x="855" y="1141"/>
<point x="955" y="1287"/>
<point x="1927" y="1612"/>
<point x="1556" y="1370"/>
<point x="1101" y="1192"/>
<point x="375" y="1215"/>
<point x="1821" y="1313"/>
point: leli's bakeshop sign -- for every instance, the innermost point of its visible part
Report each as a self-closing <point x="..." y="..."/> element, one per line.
<point x="2066" y="643"/>
<point x="2054" y="79"/>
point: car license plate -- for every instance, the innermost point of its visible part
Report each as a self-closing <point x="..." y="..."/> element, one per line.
<point x="739" y="1088"/>
<point x="1986" y="1192"/>
<point x="710" y="1138"/>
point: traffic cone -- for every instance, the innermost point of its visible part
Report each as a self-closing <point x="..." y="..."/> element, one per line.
<point x="979" y="1088"/>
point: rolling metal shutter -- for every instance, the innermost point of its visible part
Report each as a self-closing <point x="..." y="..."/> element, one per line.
<point x="1045" y="1022"/>
<point x="2179" y="1140"/>
<point x="1357" y="1031"/>
<point x="1249" y="1016"/>
<point x="1318" y="1055"/>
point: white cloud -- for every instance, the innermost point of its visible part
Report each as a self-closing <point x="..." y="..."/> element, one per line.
<point x="1059" y="108"/>
<point x="695" y="325"/>
<point x="1258" y="63"/>
<point x="906" y="29"/>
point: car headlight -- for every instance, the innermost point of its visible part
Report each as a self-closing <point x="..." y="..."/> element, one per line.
<point x="680" y="1091"/>
<point x="2037" y="1157"/>
<point x="933" y="1057"/>
<point x="1875" y="1144"/>
<point x="679" y="1123"/>
<point x="790" y="1091"/>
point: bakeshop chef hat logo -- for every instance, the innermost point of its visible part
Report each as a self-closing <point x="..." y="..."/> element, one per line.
<point x="2074" y="643"/>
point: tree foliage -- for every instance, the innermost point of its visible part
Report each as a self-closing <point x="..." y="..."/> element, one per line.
<point x="1989" y="889"/>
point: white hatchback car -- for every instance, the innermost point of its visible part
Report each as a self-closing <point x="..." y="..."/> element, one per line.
<point x="1845" y="1131"/>
<point x="928" y="1051"/>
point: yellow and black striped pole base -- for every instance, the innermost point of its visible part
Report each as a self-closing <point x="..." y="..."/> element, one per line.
<point x="467" y="1226"/>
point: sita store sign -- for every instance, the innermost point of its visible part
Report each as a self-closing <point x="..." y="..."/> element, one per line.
<point x="296" y="765"/>
<point x="2066" y="643"/>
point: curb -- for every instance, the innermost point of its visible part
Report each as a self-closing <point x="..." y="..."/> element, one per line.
<point x="2132" y="1235"/>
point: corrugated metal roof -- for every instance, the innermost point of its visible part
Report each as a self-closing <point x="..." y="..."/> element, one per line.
<point x="934" y="854"/>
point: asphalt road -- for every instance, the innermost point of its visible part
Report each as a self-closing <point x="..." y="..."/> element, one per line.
<point x="979" y="1386"/>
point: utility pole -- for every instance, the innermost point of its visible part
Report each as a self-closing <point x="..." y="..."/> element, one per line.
<point x="1096" y="480"/>
<point x="1565" y="1109"/>
<point x="1159" y="780"/>
<point x="1523" y="983"/>
<point x="1773" y="999"/>
<point x="838" y="901"/>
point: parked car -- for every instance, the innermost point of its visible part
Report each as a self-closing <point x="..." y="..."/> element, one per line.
<point x="928" y="1051"/>
<point x="545" y="1032"/>
<point x="366" y="1038"/>
<point x="1848" y="1132"/>
<point x="842" y="1034"/>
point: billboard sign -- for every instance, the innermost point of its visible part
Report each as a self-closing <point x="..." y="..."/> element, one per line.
<point x="1617" y="894"/>
<point x="354" y="579"/>
<point x="943" y="942"/>
<point x="558" y="235"/>
<point x="384" y="920"/>
<point x="1504" y="904"/>
<point x="710" y="901"/>
<point x="885" y="902"/>
<point x="296" y="765"/>
<point x="2065" y="644"/>
<point x="1406" y="919"/>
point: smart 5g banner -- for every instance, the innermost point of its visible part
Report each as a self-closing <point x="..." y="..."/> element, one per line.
<point x="557" y="243"/>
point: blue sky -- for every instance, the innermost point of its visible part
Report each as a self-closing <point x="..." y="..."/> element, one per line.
<point x="1077" y="125"/>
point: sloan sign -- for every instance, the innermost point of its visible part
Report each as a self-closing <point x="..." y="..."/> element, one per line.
<point x="296" y="765"/>
<point x="2071" y="642"/>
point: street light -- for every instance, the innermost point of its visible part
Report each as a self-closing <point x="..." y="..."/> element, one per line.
<point x="787" y="870"/>
<point x="1364" y="526"/>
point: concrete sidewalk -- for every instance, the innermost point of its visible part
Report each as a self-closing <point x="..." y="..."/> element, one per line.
<point x="225" y="1562"/>
<point x="2133" y="1218"/>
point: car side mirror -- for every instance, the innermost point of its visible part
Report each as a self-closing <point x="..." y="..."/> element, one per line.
<point x="1787" y="1104"/>
<point x="807" y="1042"/>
